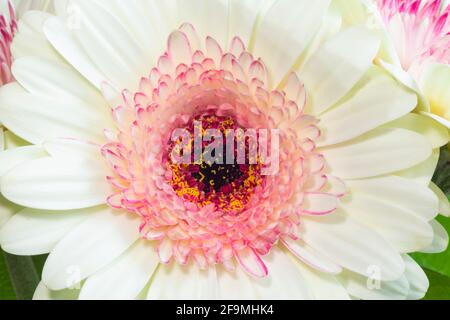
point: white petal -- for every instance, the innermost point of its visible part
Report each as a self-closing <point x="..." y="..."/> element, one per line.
<point x="319" y="204"/>
<point x="380" y="101"/>
<point x="403" y="229"/>
<point x="351" y="245"/>
<point x="311" y="257"/>
<point x="438" y="119"/>
<point x="371" y="288"/>
<point x="110" y="46"/>
<point x="38" y="118"/>
<point x="91" y="246"/>
<point x="444" y="203"/>
<point x="379" y="152"/>
<point x="33" y="232"/>
<point x="407" y="194"/>
<point x="10" y="159"/>
<point x="285" y="30"/>
<point x="210" y="18"/>
<point x="29" y="41"/>
<point x="423" y="172"/>
<point x="73" y="149"/>
<point x="57" y="184"/>
<point x="434" y="83"/>
<point x="124" y="278"/>
<point x="336" y="67"/>
<point x="43" y="293"/>
<point x="437" y="134"/>
<point x="175" y="282"/>
<point x="285" y="281"/>
<point x="243" y="17"/>
<point x="418" y="281"/>
<point x="407" y="80"/>
<point x="440" y="240"/>
<point x="7" y="210"/>
<point x="323" y="286"/>
<point x="236" y="285"/>
<point x="251" y="262"/>
<point x="135" y="16"/>
<point x="59" y="35"/>
<point x="45" y="77"/>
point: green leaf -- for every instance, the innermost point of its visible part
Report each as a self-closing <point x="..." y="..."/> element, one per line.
<point x="439" y="286"/>
<point x="439" y="263"/>
<point x="23" y="275"/>
<point x="6" y="288"/>
<point x="442" y="174"/>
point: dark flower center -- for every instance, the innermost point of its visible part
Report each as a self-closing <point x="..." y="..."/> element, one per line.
<point x="218" y="179"/>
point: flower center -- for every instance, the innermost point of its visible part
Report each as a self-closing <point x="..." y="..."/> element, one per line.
<point x="218" y="178"/>
<point x="219" y="167"/>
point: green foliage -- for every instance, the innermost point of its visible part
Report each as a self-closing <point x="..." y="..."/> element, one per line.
<point x="442" y="175"/>
<point x="439" y="286"/>
<point x="6" y="288"/>
<point x="19" y="276"/>
<point x="439" y="263"/>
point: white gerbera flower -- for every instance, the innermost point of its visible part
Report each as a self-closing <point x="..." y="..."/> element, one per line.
<point x="121" y="219"/>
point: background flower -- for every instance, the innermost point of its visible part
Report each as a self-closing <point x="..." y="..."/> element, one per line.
<point x="419" y="44"/>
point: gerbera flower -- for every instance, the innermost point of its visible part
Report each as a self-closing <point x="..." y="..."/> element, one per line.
<point x="121" y="219"/>
<point x="419" y="31"/>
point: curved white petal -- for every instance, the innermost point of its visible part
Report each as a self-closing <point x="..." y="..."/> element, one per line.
<point x="29" y="40"/>
<point x="177" y="282"/>
<point x="110" y="46"/>
<point x="323" y="286"/>
<point x="236" y="285"/>
<point x="7" y="210"/>
<point x="423" y="172"/>
<point x="402" y="228"/>
<point x="43" y="293"/>
<point x="10" y="159"/>
<point x="336" y="67"/>
<point x="125" y="278"/>
<point x="440" y="239"/>
<point x="34" y="232"/>
<point x="310" y="257"/>
<point x="414" y="197"/>
<point x="444" y="203"/>
<point x="379" y="152"/>
<point x="377" y="103"/>
<point x="210" y="18"/>
<point x="45" y="77"/>
<point x="37" y="118"/>
<point x="89" y="247"/>
<point x="418" y="281"/>
<point x="284" y="31"/>
<point x="437" y="134"/>
<point x="371" y="288"/>
<point x="62" y="39"/>
<point x="285" y="280"/>
<point x="434" y="83"/>
<point x="57" y="184"/>
<point x="72" y="149"/>
<point x="243" y="17"/>
<point x="136" y="17"/>
<point x="351" y="245"/>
